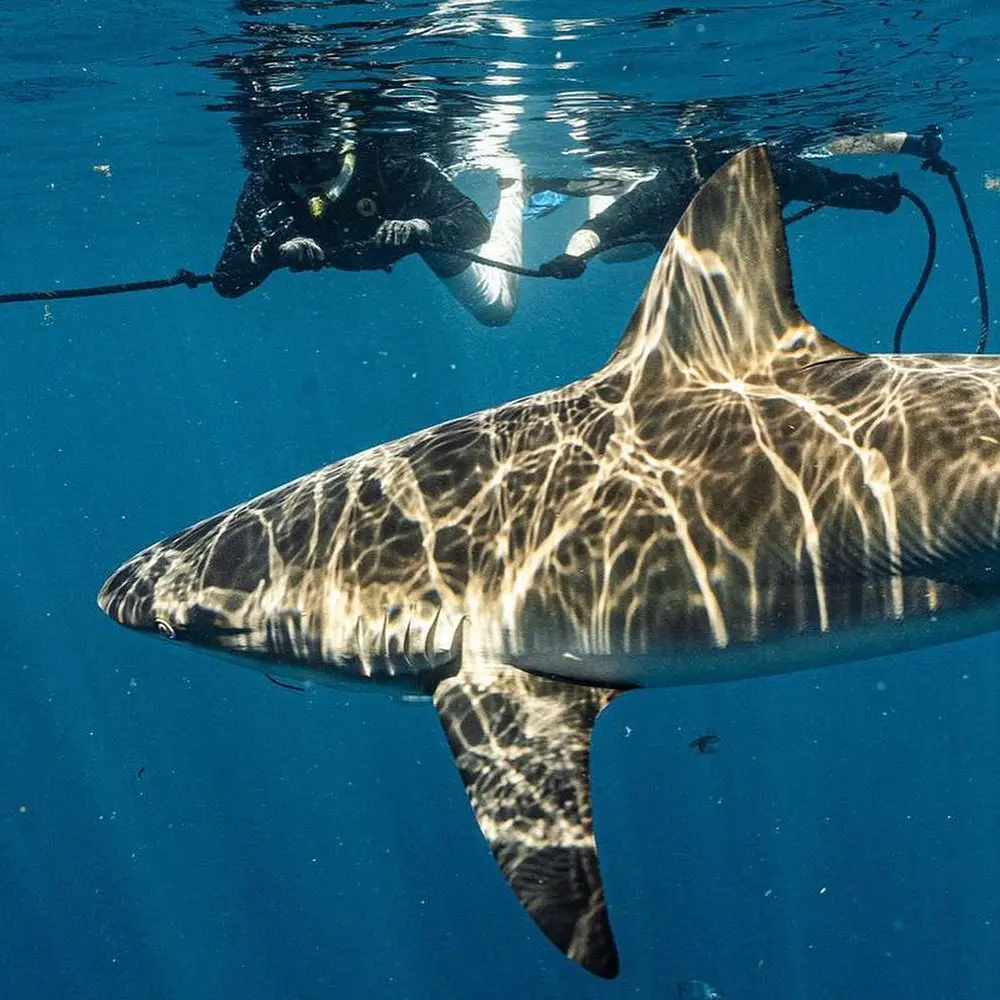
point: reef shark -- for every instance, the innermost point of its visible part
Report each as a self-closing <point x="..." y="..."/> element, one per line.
<point x="732" y="495"/>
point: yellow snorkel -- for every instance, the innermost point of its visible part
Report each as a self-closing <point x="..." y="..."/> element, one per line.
<point x="318" y="203"/>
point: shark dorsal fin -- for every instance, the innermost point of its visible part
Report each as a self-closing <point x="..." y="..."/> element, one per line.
<point x="720" y="302"/>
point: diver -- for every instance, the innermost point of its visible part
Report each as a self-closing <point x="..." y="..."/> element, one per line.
<point x="633" y="216"/>
<point x="360" y="207"/>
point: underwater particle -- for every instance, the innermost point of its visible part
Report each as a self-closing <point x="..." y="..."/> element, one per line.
<point x="22" y="810"/>
<point x="991" y="180"/>
<point x="104" y="169"/>
<point x="47" y="318"/>
<point x="695" y="989"/>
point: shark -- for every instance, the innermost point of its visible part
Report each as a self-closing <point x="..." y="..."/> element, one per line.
<point x="732" y="495"/>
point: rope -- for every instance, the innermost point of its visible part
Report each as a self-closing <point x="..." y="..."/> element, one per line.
<point x="573" y="267"/>
<point x="897" y="337"/>
<point x="182" y="277"/>
<point x="937" y="165"/>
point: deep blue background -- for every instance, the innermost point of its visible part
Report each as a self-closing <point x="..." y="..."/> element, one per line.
<point x="842" y="844"/>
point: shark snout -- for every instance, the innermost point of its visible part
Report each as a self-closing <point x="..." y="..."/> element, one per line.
<point x="129" y="594"/>
<point x="160" y="591"/>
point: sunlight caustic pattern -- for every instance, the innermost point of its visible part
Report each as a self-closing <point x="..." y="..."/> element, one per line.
<point x="730" y="488"/>
<point x="717" y="482"/>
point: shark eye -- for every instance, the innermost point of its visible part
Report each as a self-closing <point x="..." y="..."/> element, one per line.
<point x="165" y="628"/>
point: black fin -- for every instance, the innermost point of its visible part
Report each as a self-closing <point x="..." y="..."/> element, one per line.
<point x="579" y="187"/>
<point x="522" y="745"/>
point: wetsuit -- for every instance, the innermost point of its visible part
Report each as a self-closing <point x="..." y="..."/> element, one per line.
<point x="269" y="213"/>
<point x="653" y="207"/>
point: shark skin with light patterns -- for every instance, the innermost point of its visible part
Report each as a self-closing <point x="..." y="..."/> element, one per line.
<point x="732" y="495"/>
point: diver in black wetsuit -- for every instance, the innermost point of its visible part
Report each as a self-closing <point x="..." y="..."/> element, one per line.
<point x="359" y="208"/>
<point x="654" y="205"/>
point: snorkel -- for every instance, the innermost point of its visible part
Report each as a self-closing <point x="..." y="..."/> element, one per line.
<point x="329" y="193"/>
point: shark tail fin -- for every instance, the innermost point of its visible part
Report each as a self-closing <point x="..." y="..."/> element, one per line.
<point x="720" y="303"/>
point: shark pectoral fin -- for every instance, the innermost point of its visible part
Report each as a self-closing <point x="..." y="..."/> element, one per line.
<point x="522" y="745"/>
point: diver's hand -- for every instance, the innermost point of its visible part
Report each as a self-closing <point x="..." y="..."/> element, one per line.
<point x="926" y="145"/>
<point x="301" y="254"/>
<point x="566" y="265"/>
<point x="402" y="232"/>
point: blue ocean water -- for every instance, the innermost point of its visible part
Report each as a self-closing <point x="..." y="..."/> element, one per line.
<point x="173" y="826"/>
